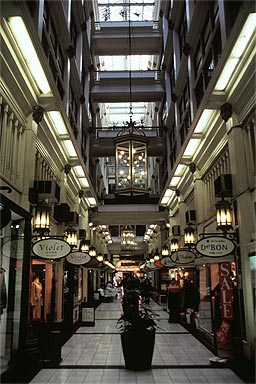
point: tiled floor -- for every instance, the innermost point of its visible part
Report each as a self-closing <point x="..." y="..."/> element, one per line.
<point x="94" y="356"/>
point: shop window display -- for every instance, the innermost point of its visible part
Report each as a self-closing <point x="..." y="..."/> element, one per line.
<point x="12" y="241"/>
<point x="46" y="291"/>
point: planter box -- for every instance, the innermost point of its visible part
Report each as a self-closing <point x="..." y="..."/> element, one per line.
<point x="138" y="348"/>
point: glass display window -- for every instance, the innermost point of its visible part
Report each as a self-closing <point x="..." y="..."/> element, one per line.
<point x="46" y="291"/>
<point x="13" y="244"/>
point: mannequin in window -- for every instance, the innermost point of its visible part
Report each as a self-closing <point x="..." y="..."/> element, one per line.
<point x="36" y="298"/>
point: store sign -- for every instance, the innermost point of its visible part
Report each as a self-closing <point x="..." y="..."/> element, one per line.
<point x="78" y="258"/>
<point x="158" y="264"/>
<point x="51" y="248"/>
<point x="151" y="266"/>
<point x="167" y="262"/>
<point x="215" y="246"/>
<point x="183" y="257"/>
<point x="226" y="291"/>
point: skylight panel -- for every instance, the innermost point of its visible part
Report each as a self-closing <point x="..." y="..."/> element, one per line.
<point x="111" y="10"/>
<point x="125" y="63"/>
<point x="119" y="113"/>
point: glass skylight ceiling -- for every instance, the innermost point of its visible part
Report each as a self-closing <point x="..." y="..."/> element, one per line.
<point x="118" y="10"/>
<point x="116" y="114"/>
<point x="125" y="63"/>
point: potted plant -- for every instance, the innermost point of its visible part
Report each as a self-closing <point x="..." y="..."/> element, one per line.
<point x="137" y="326"/>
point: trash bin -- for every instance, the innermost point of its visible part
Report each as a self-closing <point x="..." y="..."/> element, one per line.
<point x="49" y="345"/>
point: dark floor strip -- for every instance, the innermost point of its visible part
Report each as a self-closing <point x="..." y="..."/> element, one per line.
<point x="198" y="366"/>
<point x="118" y="333"/>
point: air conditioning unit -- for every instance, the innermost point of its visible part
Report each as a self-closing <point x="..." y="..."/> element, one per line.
<point x="191" y="217"/>
<point x="223" y="186"/>
<point x="47" y="189"/>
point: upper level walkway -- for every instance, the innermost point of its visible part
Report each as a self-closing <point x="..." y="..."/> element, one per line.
<point x="94" y="355"/>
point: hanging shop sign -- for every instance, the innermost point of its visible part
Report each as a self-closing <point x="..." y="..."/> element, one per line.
<point x="167" y="262"/>
<point x="215" y="246"/>
<point x="151" y="266"/>
<point x="51" y="248"/>
<point x="183" y="257"/>
<point x="158" y="264"/>
<point x="226" y="291"/>
<point x="78" y="258"/>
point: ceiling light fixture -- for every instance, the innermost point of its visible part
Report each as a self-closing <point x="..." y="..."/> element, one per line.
<point x="131" y="150"/>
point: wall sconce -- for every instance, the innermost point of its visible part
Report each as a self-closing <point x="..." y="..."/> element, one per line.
<point x="41" y="220"/>
<point x="189" y="236"/>
<point x="223" y="215"/>
<point x="165" y="251"/>
<point x="84" y="246"/>
<point x="71" y="234"/>
<point x="174" y="244"/>
<point x="92" y="252"/>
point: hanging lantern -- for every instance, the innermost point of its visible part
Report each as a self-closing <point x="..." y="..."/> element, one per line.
<point x="165" y="251"/>
<point x="41" y="220"/>
<point x="71" y="234"/>
<point x="100" y="257"/>
<point x="189" y="235"/>
<point x="224" y="217"/>
<point x="92" y="251"/>
<point x="174" y="244"/>
<point x="156" y="257"/>
<point x="128" y="238"/>
<point x="84" y="246"/>
<point x="131" y="161"/>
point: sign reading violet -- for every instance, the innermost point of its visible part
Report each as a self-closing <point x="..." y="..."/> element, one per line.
<point x="78" y="258"/>
<point x="51" y="248"/>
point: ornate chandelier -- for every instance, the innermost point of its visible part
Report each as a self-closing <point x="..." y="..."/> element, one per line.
<point x="131" y="152"/>
<point x="128" y="238"/>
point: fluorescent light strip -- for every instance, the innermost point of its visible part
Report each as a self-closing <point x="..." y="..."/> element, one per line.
<point x="191" y="147"/>
<point x="79" y="171"/>
<point x="91" y="201"/>
<point x="165" y="200"/>
<point x="27" y="49"/>
<point x="179" y="170"/>
<point x="226" y="74"/>
<point x="84" y="182"/>
<point x="167" y="196"/>
<point x="204" y="120"/>
<point x="58" y="122"/>
<point x="245" y="35"/>
<point x="247" y="32"/>
<point x="69" y="148"/>
<point x="175" y="181"/>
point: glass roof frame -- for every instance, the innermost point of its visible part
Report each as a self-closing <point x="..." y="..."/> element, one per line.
<point x="117" y="114"/>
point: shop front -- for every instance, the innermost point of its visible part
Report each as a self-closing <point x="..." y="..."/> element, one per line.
<point x="219" y="317"/>
<point x="14" y="272"/>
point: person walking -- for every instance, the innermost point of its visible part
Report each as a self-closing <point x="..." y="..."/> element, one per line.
<point x="174" y="300"/>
